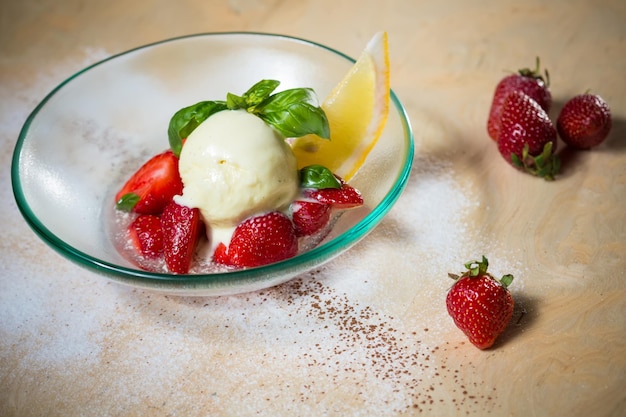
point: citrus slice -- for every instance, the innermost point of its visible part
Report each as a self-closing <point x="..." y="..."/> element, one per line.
<point x="357" y="109"/>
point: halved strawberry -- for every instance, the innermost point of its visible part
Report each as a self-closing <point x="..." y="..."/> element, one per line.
<point x="309" y="216"/>
<point x="260" y="240"/>
<point x="146" y="235"/>
<point x="152" y="187"/>
<point x="345" y="197"/>
<point x="182" y="229"/>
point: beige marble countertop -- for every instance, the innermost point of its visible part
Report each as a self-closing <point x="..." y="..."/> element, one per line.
<point x="367" y="334"/>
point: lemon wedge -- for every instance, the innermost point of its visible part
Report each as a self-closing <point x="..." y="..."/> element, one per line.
<point x="357" y="109"/>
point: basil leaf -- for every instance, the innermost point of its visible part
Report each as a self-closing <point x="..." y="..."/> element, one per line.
<point x="187" y="119"/>
<point x="298" y="120"/>
<point x="235" y="102"/>
<point x="295" y="113"/>
<point x="254" y="96"/>
<point x="259" y="92"/>
<point x="286" y="98"/>
<point x="319" y="177"/>
<point x="127" y="202"/>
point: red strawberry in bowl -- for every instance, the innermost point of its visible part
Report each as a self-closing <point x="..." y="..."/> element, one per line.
<point x="152" y="186"/>
<point x="146" y="235"/>
<point x="345" y="197"/>
<point x="309" y="217"/>
<point x="182" y="228"/>
<point x="584" y="121"/>
<point x="480" y="305"/>
<point x="259" y="240"/>
<point x="529" y="82"/>
<point x="527" y="137"/>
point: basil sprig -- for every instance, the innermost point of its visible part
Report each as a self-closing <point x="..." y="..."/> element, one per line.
<point x="318" y="177"/>
<point x="255" y="95"/>
<point x="187" y="119"/>
<point x="292" y="112"/>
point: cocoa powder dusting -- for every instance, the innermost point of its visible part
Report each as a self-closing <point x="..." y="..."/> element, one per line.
<point x="366" y="343"/>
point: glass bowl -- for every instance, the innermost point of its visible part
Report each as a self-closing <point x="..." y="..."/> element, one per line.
<point x="92" y="131"/>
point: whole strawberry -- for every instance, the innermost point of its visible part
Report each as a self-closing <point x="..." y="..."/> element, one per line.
<point x="527" y="137"/>
<point x="584" y="121"/>
<point x="480" y="305"/>
<point x="528" y="81"/>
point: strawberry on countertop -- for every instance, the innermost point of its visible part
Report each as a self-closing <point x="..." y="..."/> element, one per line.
<point x="528" y="81"/>
<point x="480" y="305"/>
<point x="152" y="186"/>
<point x="584" y="121"/>
<point x="527" y="137"/>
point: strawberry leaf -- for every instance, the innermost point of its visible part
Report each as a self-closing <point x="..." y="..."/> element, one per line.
<point x="545" y="165"/>
<point x="516" y="161"/>
<point x="506" y="280"/>
<point x="477" y="268"/>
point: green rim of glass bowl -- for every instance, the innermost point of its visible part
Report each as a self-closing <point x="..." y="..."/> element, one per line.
<point x="147" y="279"/>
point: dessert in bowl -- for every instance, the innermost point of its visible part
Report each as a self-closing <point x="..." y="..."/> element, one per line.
<point x="88" y="136"/>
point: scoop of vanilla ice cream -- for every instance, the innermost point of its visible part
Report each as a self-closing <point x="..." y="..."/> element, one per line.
<point x="234" y="165"/>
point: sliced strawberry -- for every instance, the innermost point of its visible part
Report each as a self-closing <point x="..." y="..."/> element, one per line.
<point x="260" y="240"/>
<point x="309" y="217"/>
<point x="220" y="255"/>
<point x="152" y="187"/>
<point x="182" y="228"/>
<point x="146" y="235"/>
<point x="345" y="197"/>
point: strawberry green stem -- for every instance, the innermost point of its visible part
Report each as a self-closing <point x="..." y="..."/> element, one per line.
<point x="545" y="165"/>
<point x="478" y="269"/>
<point x="506" y="280"/>
<point x="536" y="73"/>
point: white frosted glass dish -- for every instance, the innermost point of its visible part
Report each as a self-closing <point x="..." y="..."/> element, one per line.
<point x="91" y="132"/>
